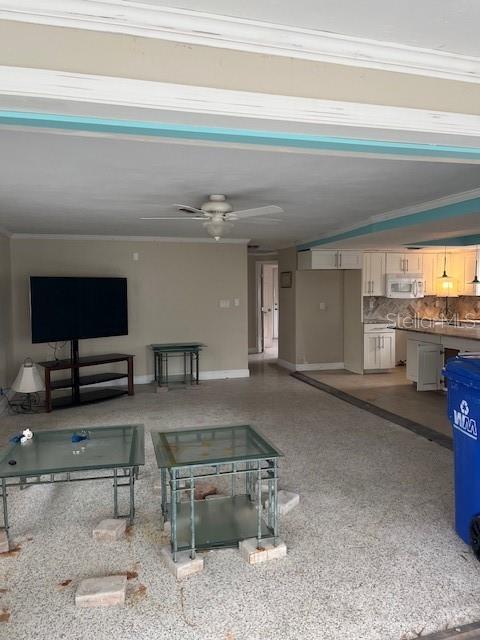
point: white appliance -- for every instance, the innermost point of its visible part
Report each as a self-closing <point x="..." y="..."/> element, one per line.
<point x="400" y="285"/>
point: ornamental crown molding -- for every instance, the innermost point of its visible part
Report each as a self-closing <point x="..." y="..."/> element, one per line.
<point x="195" y="27"/>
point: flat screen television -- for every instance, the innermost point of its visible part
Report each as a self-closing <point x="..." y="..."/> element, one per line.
<point x="75" y="308"/>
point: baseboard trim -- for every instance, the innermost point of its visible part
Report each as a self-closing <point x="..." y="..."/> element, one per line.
<point x="204" y="375"/>
<point x="310" y="366"/>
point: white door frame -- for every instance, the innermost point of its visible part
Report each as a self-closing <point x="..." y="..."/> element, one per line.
<point x="258" y="298"/>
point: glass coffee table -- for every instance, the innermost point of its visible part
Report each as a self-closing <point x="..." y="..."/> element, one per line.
<point x="239" y="453"/>
<point x="51" y="457"/>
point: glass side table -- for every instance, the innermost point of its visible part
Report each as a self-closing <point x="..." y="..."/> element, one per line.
<point x="163" y="353"/>
<point x="238" y="453"/>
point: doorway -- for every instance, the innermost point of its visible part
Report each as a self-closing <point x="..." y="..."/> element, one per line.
<point x="267" y="309"/>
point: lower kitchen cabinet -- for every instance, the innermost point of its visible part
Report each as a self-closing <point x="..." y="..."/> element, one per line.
<point x="378" y="348"/>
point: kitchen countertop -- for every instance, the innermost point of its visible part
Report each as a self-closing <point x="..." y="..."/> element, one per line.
<point x="467" y="333"/>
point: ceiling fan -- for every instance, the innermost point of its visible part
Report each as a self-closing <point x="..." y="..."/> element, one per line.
<point x="217" y="215"/>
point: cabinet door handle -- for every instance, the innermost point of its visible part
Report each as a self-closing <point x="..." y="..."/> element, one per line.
<point x="407" y="269"/>
<point x="336" y="261"/>
<point x="340" y="260"/>
<point x="383" y="342"/>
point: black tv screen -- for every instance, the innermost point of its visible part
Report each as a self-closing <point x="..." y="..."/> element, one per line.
<point x="75" y="308"/>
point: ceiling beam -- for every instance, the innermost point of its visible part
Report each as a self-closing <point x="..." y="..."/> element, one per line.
<point x="228" y="32"/>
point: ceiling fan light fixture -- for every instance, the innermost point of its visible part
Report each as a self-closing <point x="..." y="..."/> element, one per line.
<point x="217" y="228"/>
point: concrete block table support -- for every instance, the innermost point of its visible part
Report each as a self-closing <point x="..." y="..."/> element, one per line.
<point x="184" y="566"/>
<point x="108" y="591"/>
<point x="4" y="546"/>
<point x="268" y="551"/>
<point x="110" y="530"/>
<point x="287" y="500"/>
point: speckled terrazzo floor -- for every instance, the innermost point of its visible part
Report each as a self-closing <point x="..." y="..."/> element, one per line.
<point x="372" y="554"/>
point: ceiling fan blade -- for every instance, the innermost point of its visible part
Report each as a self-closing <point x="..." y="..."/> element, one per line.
<point x="176" y="218"/>
<point x="185" y="207"/>
<point x="265" y="221"/>
<point x="259" y="211"/>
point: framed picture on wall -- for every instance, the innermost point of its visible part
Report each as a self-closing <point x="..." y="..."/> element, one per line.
<point x="286" y="279"/>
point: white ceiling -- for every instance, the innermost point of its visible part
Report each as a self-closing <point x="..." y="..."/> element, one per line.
<point x="445" y="25"/>
<point x="67" y="184"/>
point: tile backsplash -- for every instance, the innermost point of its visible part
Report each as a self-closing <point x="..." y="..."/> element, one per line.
<point x="386" y="309"/>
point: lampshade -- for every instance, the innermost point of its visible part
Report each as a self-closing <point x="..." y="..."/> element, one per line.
<point x="28" y="379"/>
<point x="447" y="287"/>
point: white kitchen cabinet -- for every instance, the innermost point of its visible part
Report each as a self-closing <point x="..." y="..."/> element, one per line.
<point x="373" y="273"/>
<point x="466" y="288"/>
<point x="378" y="347"/>
<point x="327" y="259"/>
<point x="424" y="364"/>
<point x="429" y="273"/>
<point x="349" y="260"/>
<point x="404" y="262"/>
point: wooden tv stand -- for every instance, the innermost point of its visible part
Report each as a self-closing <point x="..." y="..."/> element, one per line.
<point x="75" y="381"/>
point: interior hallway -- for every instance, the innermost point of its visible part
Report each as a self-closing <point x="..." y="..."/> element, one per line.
<point x="372" y="554"/>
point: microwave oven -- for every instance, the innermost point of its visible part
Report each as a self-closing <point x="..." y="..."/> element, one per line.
<point x="400" y="285"/>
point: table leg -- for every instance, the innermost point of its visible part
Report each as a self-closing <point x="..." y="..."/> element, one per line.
<point x="192" y="515"/>
<point x="132" y="496"/>
<point x="130" y="376"/>
<point x="164" y="503"/>
<point x="275" y="503"/>
<point x="166" y="368"/>
<point x="115" y="493"/>
<point x="259" y="504"/>
<point x="197" y="361"/>
<point x="5" y="508"/>
<point x="173" y="506"/>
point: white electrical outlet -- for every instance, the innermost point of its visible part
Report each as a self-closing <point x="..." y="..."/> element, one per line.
<point x="236" y="302"/>
<point x="322" y="306"/>
<point x="224" y="304"/>
<point x="135" y="256"/>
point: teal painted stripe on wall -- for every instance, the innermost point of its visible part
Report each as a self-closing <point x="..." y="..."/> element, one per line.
<point x="243" y="136"/>
<point x="431" y="215"/>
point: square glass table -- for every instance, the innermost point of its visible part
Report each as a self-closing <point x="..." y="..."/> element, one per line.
<point x="189" y="351"/>
<point x="51" y="457"/>
<point x="239" y="452"/>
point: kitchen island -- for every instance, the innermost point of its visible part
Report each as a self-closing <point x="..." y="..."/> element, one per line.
<point x="429" y="345"/>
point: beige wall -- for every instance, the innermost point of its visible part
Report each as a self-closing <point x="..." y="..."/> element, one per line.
<point x="174" y="291"/>
<point x="308" y="334"/>
<point x="5" y="312"/>
<point x="82" y="51"/>
<point x="287" y="261"/>
<point x="319" y="333"/>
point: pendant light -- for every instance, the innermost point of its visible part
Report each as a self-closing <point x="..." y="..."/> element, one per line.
<point x="446" y="286"/>
<point x="475" y="279"/>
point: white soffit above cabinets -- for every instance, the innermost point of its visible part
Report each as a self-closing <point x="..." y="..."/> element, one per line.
<point x="445" y="43"/>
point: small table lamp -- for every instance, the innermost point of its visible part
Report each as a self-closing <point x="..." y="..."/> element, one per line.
<point x="28" y="382"/>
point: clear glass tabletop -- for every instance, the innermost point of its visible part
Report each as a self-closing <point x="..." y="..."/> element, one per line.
<point x="54" y="452"/>
<point x="211" y="445"/>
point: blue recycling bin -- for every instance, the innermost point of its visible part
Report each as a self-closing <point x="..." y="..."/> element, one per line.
<point x="463" y="375"/>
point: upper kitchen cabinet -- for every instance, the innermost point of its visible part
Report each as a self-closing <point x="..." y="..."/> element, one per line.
<point x="429" y="273"/>
<point x="404" y="263"/>
<point x="327" y="259"/>
<point x="470" y="270"/>
<point x="373" y="273"/>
